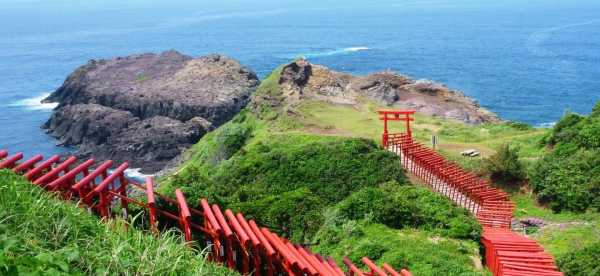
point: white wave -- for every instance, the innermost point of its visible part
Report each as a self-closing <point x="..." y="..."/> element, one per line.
<point x="546" y="125"/>
<point x="35" y="103"/>
<point x="356" y="49"/>
<point x="536" y="45"/>
<point x="537" y="38"/>
<point x="136" y="173"/>
<point x="336" y="52"/>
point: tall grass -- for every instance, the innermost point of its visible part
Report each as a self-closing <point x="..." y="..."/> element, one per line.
<point x="42" y="235"/>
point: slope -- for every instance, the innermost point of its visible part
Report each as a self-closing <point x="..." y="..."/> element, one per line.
<point x="309" y="183"/>
<point x="42" y="235"/>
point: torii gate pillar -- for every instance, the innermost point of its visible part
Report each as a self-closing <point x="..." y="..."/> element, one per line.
<point x="395" y="115"/>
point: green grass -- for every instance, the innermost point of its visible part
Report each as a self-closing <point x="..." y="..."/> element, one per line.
<point x="42" y="235"/>
<point x="141" y="78"/>
<point x="565" y="231"/>
<point x="422" y="252"/>
<point x="453" y="136"/>
<point x="583" y="261"/>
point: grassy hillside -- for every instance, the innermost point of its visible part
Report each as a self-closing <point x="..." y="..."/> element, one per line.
<point x="565" y="232"/>
<point x="313" y="171"/>
<point x="41" y="235"/>
<point x="306" y="181"/>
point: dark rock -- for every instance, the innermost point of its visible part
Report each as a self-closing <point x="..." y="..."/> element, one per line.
<point x="147" y="108"/>
<point x="532" y="222"/>
<point x="296" y="73"/>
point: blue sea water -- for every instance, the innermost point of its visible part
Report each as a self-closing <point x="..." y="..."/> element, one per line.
<point x="525" y="60"/>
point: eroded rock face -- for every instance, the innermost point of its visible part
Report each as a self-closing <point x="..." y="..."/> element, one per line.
<point x="147" y="109"/>
<point x="305" y="80"/>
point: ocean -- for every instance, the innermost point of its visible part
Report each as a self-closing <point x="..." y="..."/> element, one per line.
<point x="528" y="61"/>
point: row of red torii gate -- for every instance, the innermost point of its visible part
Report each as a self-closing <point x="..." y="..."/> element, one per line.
<point x="506" y="252"/>
<point x="243" y="245"/>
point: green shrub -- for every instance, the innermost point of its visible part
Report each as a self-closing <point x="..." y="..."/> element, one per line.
<point x="568" y="178"/>
<point x="504" y="166"/>
<point x="41" y="235"/>
<point x="565" y="129"/>
<point x="568" y="182"/>
<point x="581" y="262"/>
<point x="330" y="167"/>
<point x="295" y="214"/>
<point x="410" y="207"/>
<point x="422" y="252"/>
<point x="286" y="181"/>
<point x="519" y="125"/>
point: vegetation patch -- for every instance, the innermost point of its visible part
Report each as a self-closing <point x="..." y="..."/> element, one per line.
<point x="581" y="262"/>
<point x="284" y="181"/>
<point x="42" y="235"/>
<point x="504" y="166"/>
<point x="569" y="177"/>
<point x="409" y="207"/>
<point x="422" y="252"/>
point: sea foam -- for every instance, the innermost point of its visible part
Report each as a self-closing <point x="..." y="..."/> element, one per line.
<point x="35" y="103"/>
<point x="340" y="51"/>
<point x="136" y="174"/>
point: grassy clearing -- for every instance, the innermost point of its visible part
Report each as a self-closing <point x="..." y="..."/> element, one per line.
<point x="453" y="136"/>
<point x="565" y="231"/>
<point x="41" y="235"/>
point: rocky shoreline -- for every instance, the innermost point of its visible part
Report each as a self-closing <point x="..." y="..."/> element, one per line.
<point x="147" y="109"/>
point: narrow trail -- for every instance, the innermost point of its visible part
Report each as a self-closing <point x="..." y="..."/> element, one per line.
<point x="231" y="240"/>
<point x="506" y="252"/>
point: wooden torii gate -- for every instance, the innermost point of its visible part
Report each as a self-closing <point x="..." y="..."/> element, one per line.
<point x="395" y="115"/>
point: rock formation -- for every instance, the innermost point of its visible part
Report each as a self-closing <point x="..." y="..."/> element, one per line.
<point x="147" y="109"/>
<point x="302" y="80"/>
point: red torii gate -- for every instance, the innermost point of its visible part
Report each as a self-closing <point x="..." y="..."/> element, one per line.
<point x="395" y="115"/>
<point x="506" y="253"/>
<point x="233" y="241"/>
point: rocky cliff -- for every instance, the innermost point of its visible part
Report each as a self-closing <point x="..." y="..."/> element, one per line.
<point x="147" y="109"/>
<point x="303" y="80"/>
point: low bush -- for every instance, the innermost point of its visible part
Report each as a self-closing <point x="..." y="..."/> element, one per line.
<point x="568" y="178"/>
<point x="41" y="235"/>
<point x="581" y="262"/>
<point x="504" y="166"/>
<point x="570" y="182"/>
<point x="410" y="207"/>
<point x="422" y="252"/>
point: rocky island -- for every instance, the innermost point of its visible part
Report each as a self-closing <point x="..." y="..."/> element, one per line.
<point x="146" y="109"/>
